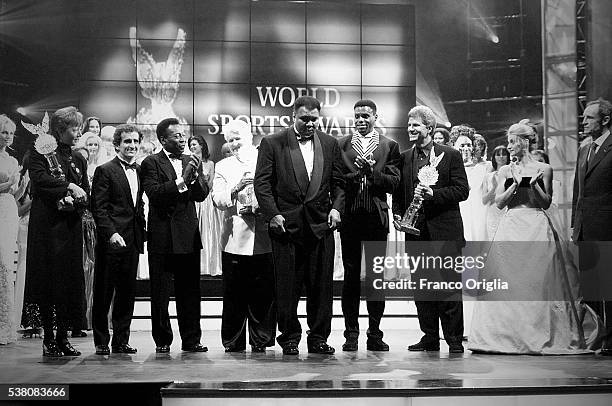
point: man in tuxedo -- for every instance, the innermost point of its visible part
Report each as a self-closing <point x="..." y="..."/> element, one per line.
<point x="592" y="211"/>
<point x="300" y="189"/>
<point x="372" y="161"/>
<point x="173" y="182"/>
<point x="439" y="220"/>
<point x="118" y="210"/>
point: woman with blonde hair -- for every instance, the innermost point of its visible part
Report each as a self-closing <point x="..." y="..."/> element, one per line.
<point x="538" y="312"/>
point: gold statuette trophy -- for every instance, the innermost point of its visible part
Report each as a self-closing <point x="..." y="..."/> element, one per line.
<point x="428" y="176"/>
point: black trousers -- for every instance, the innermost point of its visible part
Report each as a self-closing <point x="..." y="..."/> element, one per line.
<point x="308" y="264"/>
<point x="439" y="307"/>
<point x="185" y="270"/>
<point x="114" y="281"/>
<point x="356" y="229"/>
<point x="248" y="298"/>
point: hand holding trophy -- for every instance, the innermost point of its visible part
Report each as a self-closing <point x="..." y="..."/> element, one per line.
<point x="428" y="176"/>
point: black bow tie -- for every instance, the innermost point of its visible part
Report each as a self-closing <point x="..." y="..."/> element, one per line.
<point x="175" y="156"/>
<point x="129" y="166"/>
<point x="304" y="137"/>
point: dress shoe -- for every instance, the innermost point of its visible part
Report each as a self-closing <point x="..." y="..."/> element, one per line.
<point x="606" y="351"/>
<point x="350" y="345"/>
<point x="50" y="349"/>
<point x="258" y="348"/>
<point x="424" y="346"/>
<point x="162" y="349"/>
<point x="455" y="348"/>
<point x="102" y="350"/>
<point x="78" y="334"/>
<point x="376" y="344"/>
<point x="321" y="348"/>
<point x="68" y="349"/>
<point x="194" y="348"/>
<point x="124" y="349"/>
<point x="291" y="349"/>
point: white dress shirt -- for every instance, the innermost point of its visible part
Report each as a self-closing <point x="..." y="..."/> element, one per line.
<point x="177" y="164"/>
<point x="132" y="178"/>
<point x="241" y="235"/>
<point x="307" y="148"/>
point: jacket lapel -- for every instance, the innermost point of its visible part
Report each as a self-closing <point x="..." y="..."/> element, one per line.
<point x="297" y="161"/>
<point x="123" y="181"/>
<point x="317" y="169"/>
<point x="166" y="165"/>
<point x="349" y="154"/>
<point x="601" y="153"/>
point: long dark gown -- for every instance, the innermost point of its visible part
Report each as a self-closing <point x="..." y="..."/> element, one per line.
<point x="54" y="266"/>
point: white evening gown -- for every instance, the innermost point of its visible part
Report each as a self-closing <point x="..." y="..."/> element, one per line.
<point x="550" y="323"/>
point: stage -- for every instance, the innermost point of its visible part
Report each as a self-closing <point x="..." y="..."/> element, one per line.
<point x="400" y="376"/>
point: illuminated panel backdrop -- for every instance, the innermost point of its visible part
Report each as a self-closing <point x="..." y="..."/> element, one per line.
<point x="207" y="62"/>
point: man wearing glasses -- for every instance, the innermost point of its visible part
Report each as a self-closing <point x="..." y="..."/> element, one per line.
<point x="173" y="182"/>
<point x="300" y="189"/>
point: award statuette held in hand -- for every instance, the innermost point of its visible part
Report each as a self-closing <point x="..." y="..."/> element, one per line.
<point x="428" y="176"/>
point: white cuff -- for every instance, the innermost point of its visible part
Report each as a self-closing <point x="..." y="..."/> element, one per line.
<point x="180" y="184"/>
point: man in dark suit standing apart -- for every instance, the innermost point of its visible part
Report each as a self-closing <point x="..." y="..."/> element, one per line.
<point x="592" y="210"/>
<point x="372" y="160"/>
<point x="173" y="182"/>
<point x="118" y="210"/>
<point x="439" y="220"/>
<point x="300" y="189"/>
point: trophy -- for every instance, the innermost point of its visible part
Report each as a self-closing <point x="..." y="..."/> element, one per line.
<point x="428" y="176"/>
<point x="245" y="201"/>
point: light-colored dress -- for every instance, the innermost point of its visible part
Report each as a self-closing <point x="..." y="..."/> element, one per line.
<point x="472" y="209"/>
<point x="492" y="213"/>
<point x="210" y="231"/>
<point x="9" y="219"/>
<point x="550" y="318"/>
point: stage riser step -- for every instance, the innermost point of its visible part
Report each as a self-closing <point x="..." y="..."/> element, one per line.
<point x="484" y="400"/>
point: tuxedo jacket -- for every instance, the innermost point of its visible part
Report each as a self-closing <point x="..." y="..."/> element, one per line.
<point x="385" y="175"/>
<point x="113" y="207"/>
<point x="282" y="185"/>
<point x="172" y="227"/>
<point x="441" y="214"/>
<point x="592" y="197"/>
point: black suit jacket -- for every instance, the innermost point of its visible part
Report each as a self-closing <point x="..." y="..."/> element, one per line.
<point x="282" y="185"/>
<point x="385" y="174"/>
<point x="113" y="208"/>
<point x="172" y="227"/>
<point x="441" y="214"/>
<point x="592" y="197"/>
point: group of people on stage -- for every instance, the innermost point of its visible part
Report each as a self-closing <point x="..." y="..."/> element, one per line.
<point x="280" y="203"/>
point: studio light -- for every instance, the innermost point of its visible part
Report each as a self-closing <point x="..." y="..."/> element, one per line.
<point x="22" y="110"/>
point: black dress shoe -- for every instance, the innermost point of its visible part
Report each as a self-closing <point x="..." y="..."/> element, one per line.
<point x="291" y="349"/>
<point x="376" y="344"/>
<point x="321" y="348"/>
<point x="78" y="334"/>
<point x="424" y="346"/>
<point x="124" y="349"/>
<point x="162" y="349"/>
<point x="194" y="348"/>
<point x="67" y="349"/>
<point x="258" y="348"/>
<point x="455" y="348"/>
<point x="102" y="350"/>
<point x="51" y="349"/>
<point x="350" y="345"/>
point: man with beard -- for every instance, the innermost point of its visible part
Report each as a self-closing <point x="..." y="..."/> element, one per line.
<point x="439" y="220"/>
<point x="592" y="211"/>
<point x="300" y="189"/>
<point x="372" y="161"/>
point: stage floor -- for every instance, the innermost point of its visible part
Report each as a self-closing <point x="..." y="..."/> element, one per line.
<point x="22" y="362"/>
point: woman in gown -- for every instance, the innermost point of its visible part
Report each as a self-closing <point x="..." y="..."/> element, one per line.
<point x="501" y="157"/>
<point x="208" y="214"/>
<point x="9" y="190"/>
<point x="54" y="276"/>
<point x="538" y="314"/>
